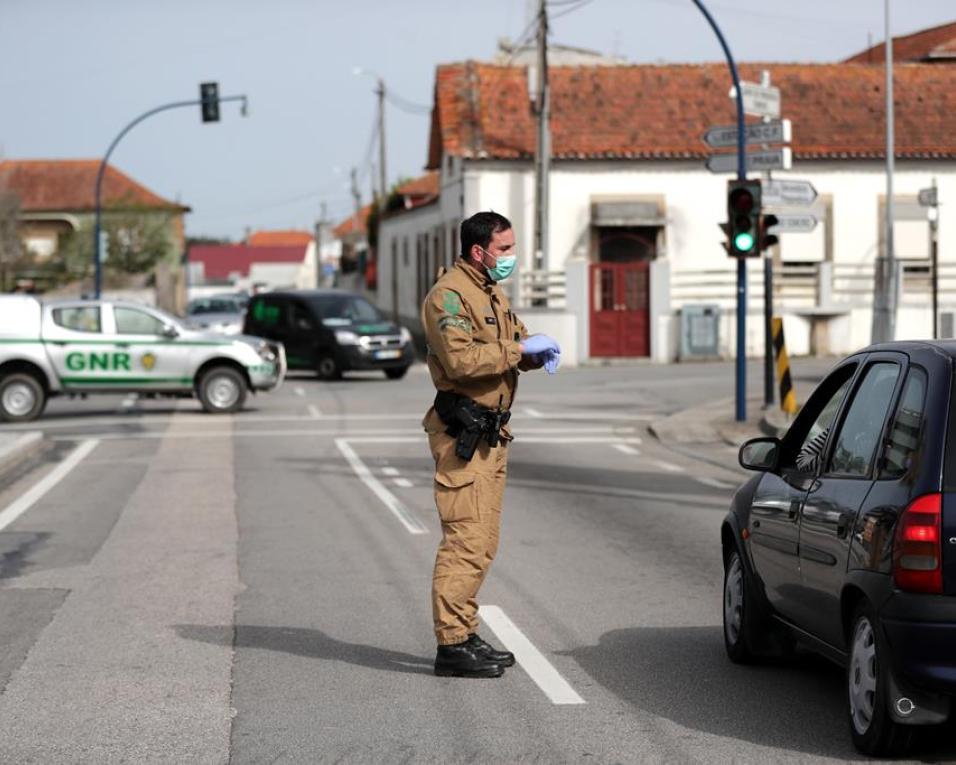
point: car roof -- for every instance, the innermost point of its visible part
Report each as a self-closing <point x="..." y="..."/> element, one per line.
<point x="946" y="347"/>
<point x="306" y="293"/>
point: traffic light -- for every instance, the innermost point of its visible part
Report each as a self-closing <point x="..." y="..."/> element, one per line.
<point x="768" y="240"/>
<point x="209" y="96"/>
<point x="743" y="218"/>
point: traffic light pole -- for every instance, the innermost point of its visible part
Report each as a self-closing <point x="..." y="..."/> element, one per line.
<point x="741" y="365"/>
<point x="97" y="265"/>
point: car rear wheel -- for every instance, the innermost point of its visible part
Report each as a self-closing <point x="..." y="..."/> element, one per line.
<point x="397" y="373"/>
<point x="328" y="368"/>
<point x="737" y="617"/>
<point x="222" y="390"/>
<point x="22" y="398"/>
<point x="874" y="731"/>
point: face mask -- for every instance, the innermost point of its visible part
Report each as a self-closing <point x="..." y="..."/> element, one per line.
<point x="504" y="267"/>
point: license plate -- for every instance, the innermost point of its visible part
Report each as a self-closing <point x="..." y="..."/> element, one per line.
<point x="390" y="354"/>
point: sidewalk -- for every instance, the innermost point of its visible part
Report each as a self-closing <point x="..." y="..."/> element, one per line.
<point x="714" y="423"/>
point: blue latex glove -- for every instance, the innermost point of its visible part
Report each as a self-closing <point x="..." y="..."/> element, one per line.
<point x="552" y="361"/>
<point x="535" y="344"/>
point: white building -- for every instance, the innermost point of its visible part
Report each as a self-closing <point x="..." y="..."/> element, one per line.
<point x="634" y="214"/>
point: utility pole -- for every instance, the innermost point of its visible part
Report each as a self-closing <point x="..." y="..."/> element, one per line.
<point x="885" y="276"/>
<point x="542" y="157"/>
<point x="356" y="198"/>
<point x="381" y="145"/>
<point x="768" y="368"/>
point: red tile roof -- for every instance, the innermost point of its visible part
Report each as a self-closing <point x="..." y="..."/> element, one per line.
<point x="353" y="224"/>
<point x="660" y="112"/>
<point x="221" y="260"/>
<point x="935" y="44"/>
<point x="423" y="186"/>
<point x="286" y="238"/>
<point x="58" y="185"/>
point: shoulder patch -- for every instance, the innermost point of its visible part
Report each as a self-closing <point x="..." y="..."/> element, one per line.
<point x="451" y="303"/>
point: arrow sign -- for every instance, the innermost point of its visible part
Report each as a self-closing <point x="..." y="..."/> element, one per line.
<point x="794" y="224"/>
<point x="725" y="136"/>
<point x="776" y="159"/>
<point x="759" y="101"/>
<point x="788" y="192"/>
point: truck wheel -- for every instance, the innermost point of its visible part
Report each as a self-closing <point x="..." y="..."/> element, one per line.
<point x="222" y="390"/>
<point x="22" y="398"/>
<point x="328" y="368"/>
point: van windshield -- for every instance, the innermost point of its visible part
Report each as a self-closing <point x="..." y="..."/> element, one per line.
<point x="342" y="310"/>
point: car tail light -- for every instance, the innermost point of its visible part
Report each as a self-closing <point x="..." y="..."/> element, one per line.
<point x="917" y="551"/>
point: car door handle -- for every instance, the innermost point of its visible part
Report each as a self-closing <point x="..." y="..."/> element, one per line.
<point x="122" y="345"/>
<point x="59" y="342"/>
<point x="843" y="526"/>
<point x="794" y="510"/>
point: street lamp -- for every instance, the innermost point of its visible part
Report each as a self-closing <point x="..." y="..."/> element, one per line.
<point x="380" y="92"/>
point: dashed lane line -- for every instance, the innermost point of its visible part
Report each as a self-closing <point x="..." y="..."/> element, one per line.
<point x="669" y="466"/>
<point x="299" y="391"/>
<point x="626" y="449"/>
<point x="394" y="505"/>
<point x="389" y="471"/>
<point x="532" y="661"/>
<point x="26" y="500"/>
<point x="314" y="412"/>
<point x="531" y="412"/>
<point x="402" y="483"/>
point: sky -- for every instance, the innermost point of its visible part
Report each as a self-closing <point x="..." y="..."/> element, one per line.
<point x="73" y="74"/>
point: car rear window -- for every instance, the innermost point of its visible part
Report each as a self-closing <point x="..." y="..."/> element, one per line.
<point x="341" y="310"/>
<point x="903" y="438"/>
<point x="79" y="318"/>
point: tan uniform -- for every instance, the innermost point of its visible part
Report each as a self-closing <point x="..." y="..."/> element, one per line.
<point x="473" y="350"/>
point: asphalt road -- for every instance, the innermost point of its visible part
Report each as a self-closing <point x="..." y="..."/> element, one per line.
<point x="254" y="588"/>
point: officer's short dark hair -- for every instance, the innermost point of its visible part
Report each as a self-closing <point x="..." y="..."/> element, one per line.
<point x="479" y="228"/>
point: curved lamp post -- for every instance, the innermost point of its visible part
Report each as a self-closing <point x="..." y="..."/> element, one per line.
<point x="102" y="170"/>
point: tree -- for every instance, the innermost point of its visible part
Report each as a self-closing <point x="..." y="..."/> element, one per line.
<point x="11" y="248"/>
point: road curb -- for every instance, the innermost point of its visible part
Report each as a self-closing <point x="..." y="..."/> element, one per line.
<point x="17" y="449"/>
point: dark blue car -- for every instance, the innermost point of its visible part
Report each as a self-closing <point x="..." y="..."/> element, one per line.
<point x="846" y="540"/>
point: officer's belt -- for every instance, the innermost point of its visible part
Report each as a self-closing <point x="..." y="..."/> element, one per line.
<point x="468" y="421"/>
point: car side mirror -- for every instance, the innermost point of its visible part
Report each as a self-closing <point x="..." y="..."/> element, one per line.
<point x="760" y="454"/>
<point x="169" y="331"/>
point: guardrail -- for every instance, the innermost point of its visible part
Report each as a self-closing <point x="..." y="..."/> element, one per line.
<point x="545" y="289"/>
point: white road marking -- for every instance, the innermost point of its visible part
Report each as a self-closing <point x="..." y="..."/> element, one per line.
<point x="299" y="391"/>
<point x="26" y="500"/>
<point x="670" y="466"/>
<point x="713" y="482"/>
<point x="394" y="505"/>
<point x="129" y="401"/>
<point x="389" y="471"/>
<point x="531" y="412"/>
<point x="314" y="412"/>
<point x="532" y="661"/>
<point x="626" y="449"/>
<point x="403" y="483"/>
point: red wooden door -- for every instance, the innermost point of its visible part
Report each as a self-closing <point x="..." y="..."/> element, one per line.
<point x="619" y="309"/>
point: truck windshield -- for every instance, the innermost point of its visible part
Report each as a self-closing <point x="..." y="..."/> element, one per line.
<point x="341" y="310"/>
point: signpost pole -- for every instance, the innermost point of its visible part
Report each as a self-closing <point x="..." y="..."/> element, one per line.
<point x="767" y="297"/>
<point x="934" y="257"/>
<point x="740" y="409"/>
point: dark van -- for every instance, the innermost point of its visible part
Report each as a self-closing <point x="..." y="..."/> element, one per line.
<point x="330" y="332"/>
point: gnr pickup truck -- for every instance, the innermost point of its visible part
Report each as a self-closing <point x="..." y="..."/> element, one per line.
<point x="51" y="348"/>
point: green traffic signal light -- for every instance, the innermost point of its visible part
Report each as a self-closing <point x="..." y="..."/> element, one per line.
<point x="744" y="241"/>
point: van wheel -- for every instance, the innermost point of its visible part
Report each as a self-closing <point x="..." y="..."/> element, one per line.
<point x="22" y="398"/>
<point x="222" y="390"/>
<point x="867" y="679"/>
<point x="328" y="369"/>
<point x="396" y="373"/>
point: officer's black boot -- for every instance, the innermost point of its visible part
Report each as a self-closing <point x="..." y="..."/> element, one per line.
<point x="464" y="660"/>
<point x="504" y="658"/>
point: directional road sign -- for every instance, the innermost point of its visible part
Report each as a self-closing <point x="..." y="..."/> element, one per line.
<point x="929" y="197"/>
<point x="776" y="159"/>
<point x="788" y="192"/>
<point x="725" y="136"/>
<point x="796" y="223"/>
<point x="759" y="101"/>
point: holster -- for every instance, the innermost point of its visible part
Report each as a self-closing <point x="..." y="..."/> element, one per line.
<point x="468" y="421"/>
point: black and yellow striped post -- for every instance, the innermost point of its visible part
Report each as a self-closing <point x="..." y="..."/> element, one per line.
<point x="788" y="399"/>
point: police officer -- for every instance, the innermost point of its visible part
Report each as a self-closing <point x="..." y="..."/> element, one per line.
<point x="476" y="347"/>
